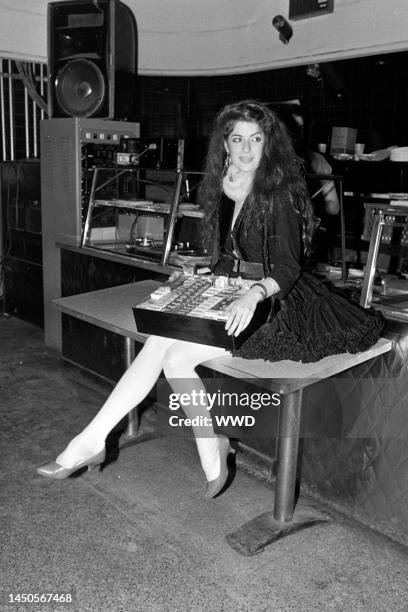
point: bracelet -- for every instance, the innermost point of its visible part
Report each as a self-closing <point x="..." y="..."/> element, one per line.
<point x="264" y="289"/>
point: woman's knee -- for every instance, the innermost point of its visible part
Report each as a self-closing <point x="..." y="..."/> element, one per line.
<point x="177" y="361"/>
<point x="158" y="343"/>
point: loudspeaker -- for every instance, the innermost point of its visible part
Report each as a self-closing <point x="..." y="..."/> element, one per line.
<point x="92" y="59"/>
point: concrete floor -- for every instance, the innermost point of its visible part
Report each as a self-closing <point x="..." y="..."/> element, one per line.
<point x="139" y="535"/>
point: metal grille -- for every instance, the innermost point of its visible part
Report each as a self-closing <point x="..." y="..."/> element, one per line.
<point x="22" y="106"/>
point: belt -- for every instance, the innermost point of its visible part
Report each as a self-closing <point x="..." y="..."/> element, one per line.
<point x="248" y="269"/>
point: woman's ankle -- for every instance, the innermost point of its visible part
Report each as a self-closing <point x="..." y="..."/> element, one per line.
<point x="81" y="447"/>
<point x="208" y="451"/>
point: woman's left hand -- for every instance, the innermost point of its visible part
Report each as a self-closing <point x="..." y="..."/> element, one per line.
<point x="241" y="312"/>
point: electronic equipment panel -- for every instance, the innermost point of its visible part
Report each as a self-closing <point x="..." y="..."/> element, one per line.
<point x="195" y="309"/>
<point x="394" y="221"/>
<point x="70" y="149"/>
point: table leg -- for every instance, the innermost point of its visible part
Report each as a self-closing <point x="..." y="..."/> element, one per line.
<point x="133" y="416"/>
<point x="253" y="536"/>
<point x="287" y="455"/>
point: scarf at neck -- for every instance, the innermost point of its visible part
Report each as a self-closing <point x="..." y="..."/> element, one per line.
<point x="237" y="184"/>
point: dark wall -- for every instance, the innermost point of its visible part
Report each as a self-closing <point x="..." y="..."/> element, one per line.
<point x="368" y="93"/>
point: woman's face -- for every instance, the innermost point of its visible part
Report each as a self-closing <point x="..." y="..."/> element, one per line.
<point x="245" y="145"/>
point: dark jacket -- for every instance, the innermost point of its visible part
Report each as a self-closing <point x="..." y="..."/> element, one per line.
<point x="278" y="246"/>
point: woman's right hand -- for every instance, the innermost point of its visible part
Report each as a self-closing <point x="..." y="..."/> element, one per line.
<point x="242" y="310"/>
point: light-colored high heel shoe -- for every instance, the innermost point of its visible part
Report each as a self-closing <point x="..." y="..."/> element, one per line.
<point x="214" y="487"/>
<point x="57" y="472"/>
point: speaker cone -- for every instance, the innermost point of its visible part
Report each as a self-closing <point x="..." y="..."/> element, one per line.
<point x="80" y="88"/>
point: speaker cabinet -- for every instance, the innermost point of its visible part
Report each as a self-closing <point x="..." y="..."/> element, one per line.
<point x="92" y="59"/>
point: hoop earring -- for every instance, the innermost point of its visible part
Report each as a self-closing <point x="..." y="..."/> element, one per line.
<point x="227" y="163"/>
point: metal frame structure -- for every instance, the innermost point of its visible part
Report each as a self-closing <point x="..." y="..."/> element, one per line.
<point x="393" y="214"/>
<point x="20" y="137"/>
<point x="181" y="176"/>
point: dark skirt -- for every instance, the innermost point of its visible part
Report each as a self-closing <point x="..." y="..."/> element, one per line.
<point x="311" y="323"/>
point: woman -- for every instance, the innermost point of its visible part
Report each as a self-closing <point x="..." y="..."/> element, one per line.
<point x="257" y="209"/>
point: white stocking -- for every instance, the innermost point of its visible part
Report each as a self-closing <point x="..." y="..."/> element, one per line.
<point x="179" y="367"/>
<point x="131" y="389"/>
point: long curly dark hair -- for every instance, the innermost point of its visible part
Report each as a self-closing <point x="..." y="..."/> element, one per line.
<point x="279" y="171"/>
